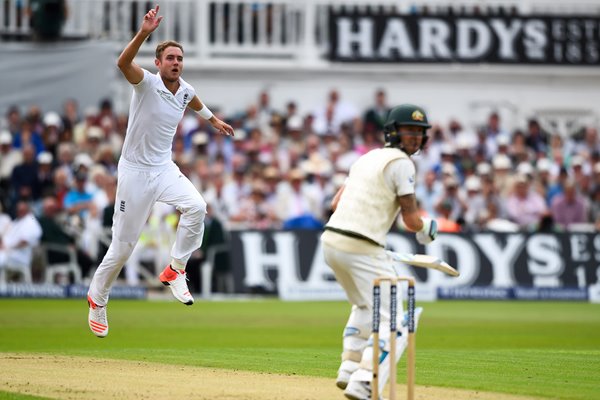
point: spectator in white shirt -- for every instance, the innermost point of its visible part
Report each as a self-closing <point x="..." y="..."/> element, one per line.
<point x="16" y="244"/>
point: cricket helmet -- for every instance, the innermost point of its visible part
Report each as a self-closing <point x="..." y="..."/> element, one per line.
<point x="404" y="115"/>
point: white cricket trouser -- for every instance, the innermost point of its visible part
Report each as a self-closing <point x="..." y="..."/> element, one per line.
<point x="138" y="190"/>
<point x="356" y="273"/>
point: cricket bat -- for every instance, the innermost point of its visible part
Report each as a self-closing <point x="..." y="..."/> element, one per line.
<point x="423" y="261"/>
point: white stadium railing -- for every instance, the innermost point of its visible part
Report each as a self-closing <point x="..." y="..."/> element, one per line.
<point x="249" y="29"/>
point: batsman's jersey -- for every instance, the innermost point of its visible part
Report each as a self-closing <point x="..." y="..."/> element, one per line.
<point x="149" y="139"/>
<point x="369" y="204"/>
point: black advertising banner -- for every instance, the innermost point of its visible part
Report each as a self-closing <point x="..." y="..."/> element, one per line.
<point x="398" y="38"/>
<point x="491" y="265"/>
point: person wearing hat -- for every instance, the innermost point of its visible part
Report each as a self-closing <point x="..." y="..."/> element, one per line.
<point x="45" y="173"/>
<point x="297" y="205"/>
<point x="503" y="176"/>
<point x="452" y="196"/>
<point x="475" y="201"/>
<point x="379" y="187"/>
<point x="146" y="172"/>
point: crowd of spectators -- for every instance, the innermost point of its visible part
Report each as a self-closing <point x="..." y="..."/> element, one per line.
<point x="281" y="170"/>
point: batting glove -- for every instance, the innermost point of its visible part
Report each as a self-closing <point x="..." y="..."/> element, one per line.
<point x="429" y="231"/>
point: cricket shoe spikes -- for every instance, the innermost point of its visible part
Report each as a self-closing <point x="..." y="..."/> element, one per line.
<point x="97" y="319"/>
<point x="177" y="281"/>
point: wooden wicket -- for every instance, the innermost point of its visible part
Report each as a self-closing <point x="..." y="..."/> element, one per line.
<point x="410" y="370"/>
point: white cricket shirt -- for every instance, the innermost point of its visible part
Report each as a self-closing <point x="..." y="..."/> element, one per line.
<point x="154" y="114"/>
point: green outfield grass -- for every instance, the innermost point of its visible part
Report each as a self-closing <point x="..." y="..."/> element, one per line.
<point x="542" y="349"/>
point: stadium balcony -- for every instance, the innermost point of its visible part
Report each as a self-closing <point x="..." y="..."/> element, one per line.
<point x="279" y="33"/>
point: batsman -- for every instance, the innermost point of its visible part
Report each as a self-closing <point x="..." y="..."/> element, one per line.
<point x="380" y="184"/>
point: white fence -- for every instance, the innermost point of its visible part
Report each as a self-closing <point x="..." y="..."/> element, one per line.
<point x="249" y="29"/>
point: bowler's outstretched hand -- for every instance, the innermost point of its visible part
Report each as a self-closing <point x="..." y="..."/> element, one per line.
<point x="151" y="21"/>
<point x="221" y="126"/>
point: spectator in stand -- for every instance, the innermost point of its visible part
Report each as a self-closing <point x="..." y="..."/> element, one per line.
<point x="34" y="118"/>
<point x="265" y="112"/>
<point x="220" y="146"/>
<point x="291" y="109"/>
<point x="492" y="131"/>
<point x="535" y="138"/>
<point x="448" y="162"/>
<point x="503" y="176"/>
<point x="297" y="206"/>
<point x="81" y="128"/>
<point x="106" y="111"/>
<point x="503" y="145"/>
<point x="475" y="201"/>
<point x="370" y="139"/>
<point x="60" y="187"/>
<point x="429" y="193"/>
<point x="453" y="199"/>
<point x="525" y="206"/>
<point x="444" y="218"/>
<point x="465" y="161"/>
<point x="107" y="159"/>
<point x="108" y="124"/>
<point x="17" y="242"/>
<point x="238" y="186"/>
<point x="518" y="150"/>
<point x="51" y="131"/>
<point x="336" y="112"/>
<point x="215" y="235"/>
<point x="543" y="179"/>
<point x="78" y="201"/>
<point x="560" y="150"/>
<point x="253" y="210"/>
<point x="65" y="158"/>
<point x="347" y="154"/>
<point x="319" y="171"/>
<point x="581" y="173"/>
<point x="70" y="115"/>
<point x="27" y="136"/>
<point x="556" y="187"/>
<point x="484" y="171"/>
<point x="45" y="173"/>
<point x="569" y="207"/>
<point x="376" y="116"/>
<point x="492" y="221"/>
<point x="590" y="142"/>
<point x="24" y="178"/>
<point x="53" y="232"/>
<point x="13" y="119"/>
<point x="4" y="222"/>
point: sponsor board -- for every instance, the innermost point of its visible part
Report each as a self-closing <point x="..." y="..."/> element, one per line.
<point x="69" y="291"/>
<point x="291" y="264"/>
<point x="366" y="36"/>
<point x="516" y="293"/>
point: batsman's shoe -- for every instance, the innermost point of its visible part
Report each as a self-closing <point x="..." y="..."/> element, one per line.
<point x="359" y="390"/>
<point x="97" y="319"/>
<point x="177" y="281"/>
<point x="344" y="372"/>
